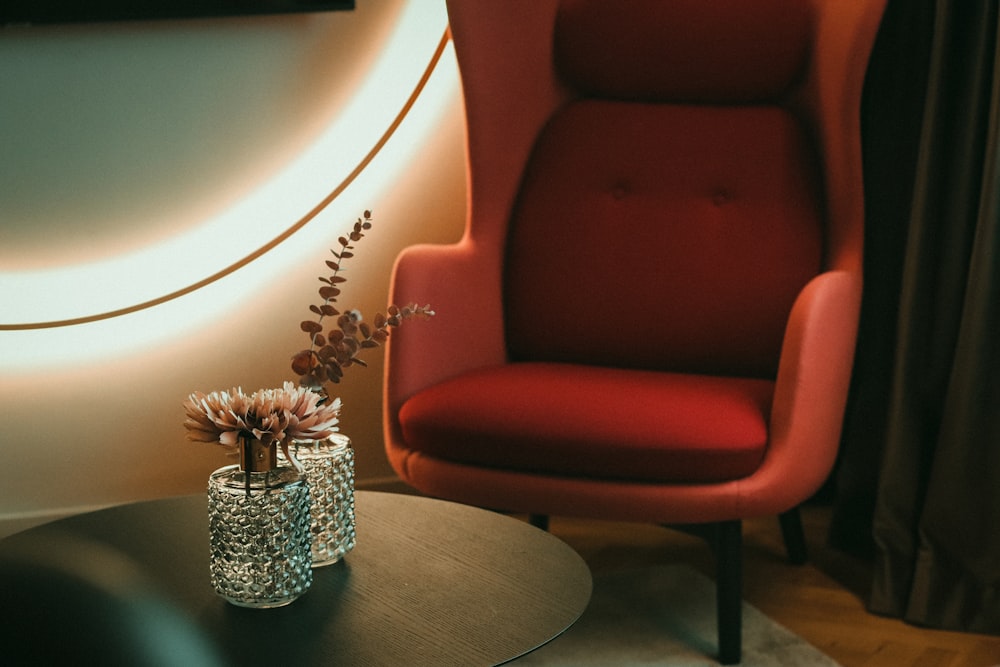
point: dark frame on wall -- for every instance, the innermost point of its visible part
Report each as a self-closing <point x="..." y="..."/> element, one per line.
<point x="46" y="12"/>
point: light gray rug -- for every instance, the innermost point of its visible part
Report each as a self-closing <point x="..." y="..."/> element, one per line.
<point x="665" y="616"/>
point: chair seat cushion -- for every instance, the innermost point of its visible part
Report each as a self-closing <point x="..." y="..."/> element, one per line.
<point x="594" y="422"/>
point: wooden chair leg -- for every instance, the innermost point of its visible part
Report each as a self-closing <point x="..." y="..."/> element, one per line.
<point x="794" y="536"/>
<point x="729" y="591"/>
<point x="539" y="521"/>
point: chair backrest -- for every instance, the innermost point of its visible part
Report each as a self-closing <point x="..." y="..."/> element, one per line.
<point x="673" y="205"/>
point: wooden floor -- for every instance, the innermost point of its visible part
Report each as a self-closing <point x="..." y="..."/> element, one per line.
<point x="821" y="601"/>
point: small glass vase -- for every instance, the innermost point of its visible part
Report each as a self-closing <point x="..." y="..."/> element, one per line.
<point x="259" y="519"/>
<point x="329" y="467"/>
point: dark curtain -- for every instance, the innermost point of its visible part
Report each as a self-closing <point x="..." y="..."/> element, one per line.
<point x="918" y="483"/>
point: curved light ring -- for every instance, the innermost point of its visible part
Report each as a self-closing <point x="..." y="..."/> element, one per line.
<point x="274" y="242"/>
<point x="245" y="302"/>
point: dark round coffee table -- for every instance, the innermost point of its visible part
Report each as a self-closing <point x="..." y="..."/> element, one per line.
<point x="429" y="583"/>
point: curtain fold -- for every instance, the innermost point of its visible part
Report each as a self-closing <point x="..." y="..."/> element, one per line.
<point x="918" y="485"/>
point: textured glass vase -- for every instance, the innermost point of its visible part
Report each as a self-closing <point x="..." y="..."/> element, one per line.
<point x="259" y="524"/>
<point x="329" y="466"/>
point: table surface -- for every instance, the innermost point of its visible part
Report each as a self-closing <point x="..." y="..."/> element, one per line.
<point x="429" y="583"/>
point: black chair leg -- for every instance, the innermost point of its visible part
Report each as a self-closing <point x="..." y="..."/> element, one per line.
<point x="794" y="536"/>
<point x="729" y="591"/>
<point x="539" y="521"/>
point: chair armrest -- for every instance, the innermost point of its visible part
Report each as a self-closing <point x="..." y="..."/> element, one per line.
<point x="461" y="282"/>
<point x="814" y="376"/>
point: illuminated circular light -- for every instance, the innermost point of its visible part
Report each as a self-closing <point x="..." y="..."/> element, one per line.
<point x="221" y="246"/>
<point x="88" y="329"/>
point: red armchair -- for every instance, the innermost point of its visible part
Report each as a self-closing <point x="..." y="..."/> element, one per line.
<point x="652" y="313"/>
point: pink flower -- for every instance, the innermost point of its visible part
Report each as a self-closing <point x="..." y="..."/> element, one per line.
<point x="273" y="416"/>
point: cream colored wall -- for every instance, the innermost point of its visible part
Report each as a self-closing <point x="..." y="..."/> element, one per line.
<point x="113" y="137"/>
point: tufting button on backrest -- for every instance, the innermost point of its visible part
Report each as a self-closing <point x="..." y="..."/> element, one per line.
<point x="721" y="196"/>
<point x="620" y="190"/>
